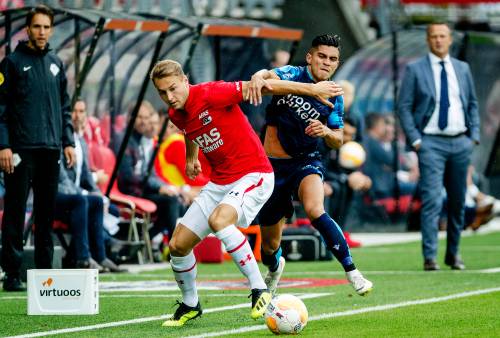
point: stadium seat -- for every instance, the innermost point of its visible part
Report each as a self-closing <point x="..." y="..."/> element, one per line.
<point x="134" y="209"/>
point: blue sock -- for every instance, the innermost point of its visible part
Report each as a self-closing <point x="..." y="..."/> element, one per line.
<point x="272" y="261"/>
<point x="334" y="240"/>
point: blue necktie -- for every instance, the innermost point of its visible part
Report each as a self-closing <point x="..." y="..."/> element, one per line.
<point x="444" y="102"/>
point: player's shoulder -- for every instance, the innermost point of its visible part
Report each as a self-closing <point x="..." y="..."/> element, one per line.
<point x="289" y="72"/>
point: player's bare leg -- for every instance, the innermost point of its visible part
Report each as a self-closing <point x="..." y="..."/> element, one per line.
<point x="183" y="265"/>
<point x="311" y="194"/>
<point x="222" y="221"/>
<point x="271" y="254"/>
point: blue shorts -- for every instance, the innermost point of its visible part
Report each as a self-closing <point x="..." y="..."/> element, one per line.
<point x="288" y="173"/>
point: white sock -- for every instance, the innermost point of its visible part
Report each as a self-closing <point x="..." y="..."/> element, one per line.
<point x="237" y="246"/>
<point x="184" y="269"/>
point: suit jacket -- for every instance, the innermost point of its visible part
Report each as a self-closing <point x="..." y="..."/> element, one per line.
<point x="417" y="98"/>
<point x="67" y="176"/>
<point x="379" y="167"/>
<point x="133" y="168"/>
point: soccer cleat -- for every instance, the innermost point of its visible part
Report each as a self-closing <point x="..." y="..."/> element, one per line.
<point x="362" y="285"/>
<point x="183" y="314"/>
<point x="260" y="300"/>
<point x="272" y="278"/>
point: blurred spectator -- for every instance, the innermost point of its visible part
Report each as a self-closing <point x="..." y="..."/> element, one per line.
<point x="480" y="208"/>
<point x="350" y="110"/>
<point x="280" y="58"/>
<point x="133" y="170"/>
<point x="80" y="204"/>
<point x="408" y="169"/>
<point x="81" y="126"/>
<point x="379" y="165"/>
<point x="341" y="183"/>
<point x="115" y="247"/>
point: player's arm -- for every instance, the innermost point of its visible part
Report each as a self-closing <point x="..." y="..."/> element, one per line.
<point x="332" y="131"/>
<point x="322" y="91"/>
<point x="333" y="137"/>
<point x="257" y="82"/>
<point x="193" y="166"/>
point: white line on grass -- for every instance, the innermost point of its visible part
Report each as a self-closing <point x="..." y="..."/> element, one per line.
<point x="134" y="295"/>
<point x="365" y="272"/>
<point x="157" y="295"/>
<point x="358" y="311"/>
<point x="147" y="319"/>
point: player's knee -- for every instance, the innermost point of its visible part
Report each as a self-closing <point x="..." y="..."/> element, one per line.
<point x="221" y="217"/>
<point x="270" y="245"/>
<point x="177" y="248"/>
<point x="314" y="211"/>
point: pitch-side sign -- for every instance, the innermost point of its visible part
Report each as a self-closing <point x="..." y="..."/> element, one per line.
<point x="63" y="292"/>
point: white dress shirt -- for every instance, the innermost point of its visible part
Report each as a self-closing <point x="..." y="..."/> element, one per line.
<point x="456" y="115"/>
<point x="79" y="159"/>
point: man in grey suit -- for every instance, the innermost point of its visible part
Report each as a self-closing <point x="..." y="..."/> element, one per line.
<point x="439" y="114"/>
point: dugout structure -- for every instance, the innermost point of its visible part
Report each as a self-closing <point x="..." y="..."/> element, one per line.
<point x="108" y="55"/>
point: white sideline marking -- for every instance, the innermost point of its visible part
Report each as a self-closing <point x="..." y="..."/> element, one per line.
<point x="148" y="296"/>
<point x="358" y="311"/>
<point x="365" y="272"/>
<point x="492" y="270"/>
<point x="160" y="295"/>
<point x="147" y="319"/>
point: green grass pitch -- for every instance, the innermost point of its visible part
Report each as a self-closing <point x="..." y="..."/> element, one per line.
<point x="406" y="301"/>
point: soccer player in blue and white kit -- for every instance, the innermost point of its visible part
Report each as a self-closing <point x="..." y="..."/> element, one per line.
<point x="295" y="126"/>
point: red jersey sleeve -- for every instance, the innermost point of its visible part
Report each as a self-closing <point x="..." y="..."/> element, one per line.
<point x="222" y="94"/>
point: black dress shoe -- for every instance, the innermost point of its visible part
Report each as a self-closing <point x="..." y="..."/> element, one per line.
<point x="13" y="284"/>
<point x="455" y="262"/>
<point x="431" y="265"/>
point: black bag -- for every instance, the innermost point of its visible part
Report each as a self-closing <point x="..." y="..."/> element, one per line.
<point x="304" y="244"/>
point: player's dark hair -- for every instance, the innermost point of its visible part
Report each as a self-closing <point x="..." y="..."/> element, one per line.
<point x="326" y="40"/>
<point x="40" y="9"/>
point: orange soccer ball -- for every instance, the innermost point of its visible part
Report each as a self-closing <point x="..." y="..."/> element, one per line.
<point x="351" y="155"/>
<point x="286" y="314"/>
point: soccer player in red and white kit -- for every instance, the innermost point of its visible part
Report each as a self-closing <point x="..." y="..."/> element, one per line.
<point x="241" y="181"/>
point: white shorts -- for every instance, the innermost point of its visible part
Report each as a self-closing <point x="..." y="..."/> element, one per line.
<point x="247" y="195"/>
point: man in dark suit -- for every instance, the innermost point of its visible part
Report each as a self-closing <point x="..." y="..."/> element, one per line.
<point x="439" y="114"/>
<point x="133" y="170"/>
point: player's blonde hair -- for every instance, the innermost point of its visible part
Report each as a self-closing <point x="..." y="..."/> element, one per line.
<point x="165" y="68"/>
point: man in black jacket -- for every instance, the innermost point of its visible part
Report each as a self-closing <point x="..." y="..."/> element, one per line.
<point x="35" y="122"/>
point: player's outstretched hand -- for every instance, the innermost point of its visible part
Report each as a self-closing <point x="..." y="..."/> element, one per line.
<point x="316" y="129"/>
<point x="255" y="85"/>
<point x="327" y="89"/>
<point x="193" y="169"/>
